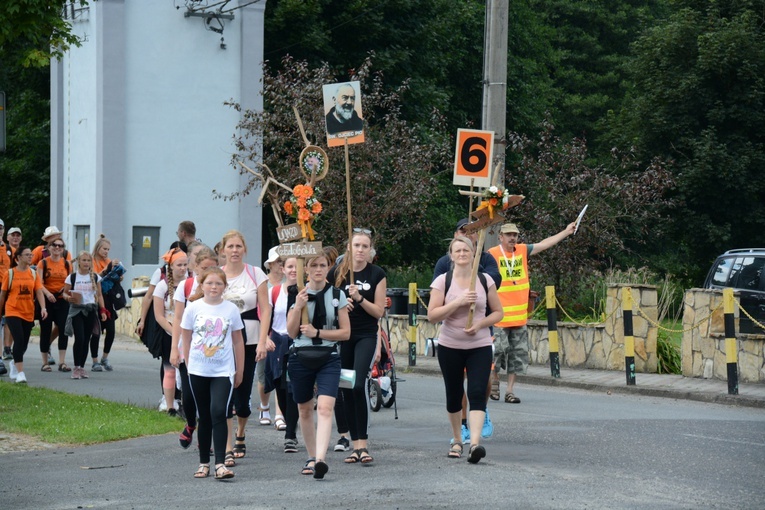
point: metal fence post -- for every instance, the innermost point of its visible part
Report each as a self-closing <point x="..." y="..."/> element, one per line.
<point x="629" y="339"/>
<point x="552" y="330"/>
<point x="731" y="349"/>
<point x="412" y="311"/>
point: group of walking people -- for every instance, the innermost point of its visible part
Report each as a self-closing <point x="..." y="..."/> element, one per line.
<point x="65" y="296"/>
<point x="229" y="329"/>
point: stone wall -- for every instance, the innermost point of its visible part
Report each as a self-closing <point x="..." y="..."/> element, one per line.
<point x="703" y="345"/>
<point x="581" y="346"/>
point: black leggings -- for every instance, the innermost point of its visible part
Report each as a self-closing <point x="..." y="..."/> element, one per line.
<point x="108" y="327"/>
<point x="187" y="398"/>
<point x="57" y="313"/>
<point x="454" y="363"/>
<point x="82" y="325"/>
<point x="20" y="331"/>
<point x="212" y="396"/>
<point x="243" y="391"/>
<point x="358" y="354"/>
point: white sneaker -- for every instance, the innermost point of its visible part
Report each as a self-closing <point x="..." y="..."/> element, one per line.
<point x="176" y="404"/>
<point x="14" y="373"/>
<point x="163" y="404"/>
<point x="21" y="378"/>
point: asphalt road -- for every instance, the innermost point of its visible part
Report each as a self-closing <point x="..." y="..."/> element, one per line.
<point x="560" y="448"/>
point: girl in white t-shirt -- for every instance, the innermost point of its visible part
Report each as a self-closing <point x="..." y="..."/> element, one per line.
<point x="83" y="291"/>
<point x="164" y="314"/>
<point x="205" y="259"/>
<point x="213" y="348"/>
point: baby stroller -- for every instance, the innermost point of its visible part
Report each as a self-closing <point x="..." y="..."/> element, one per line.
<point x="381" y="385"/>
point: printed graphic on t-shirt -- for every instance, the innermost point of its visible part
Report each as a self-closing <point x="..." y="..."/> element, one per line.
<point x="209" y="336"/>
<point x="363" y="285"/>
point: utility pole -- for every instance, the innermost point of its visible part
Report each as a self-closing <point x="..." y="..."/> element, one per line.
<point x="494" y="110"/>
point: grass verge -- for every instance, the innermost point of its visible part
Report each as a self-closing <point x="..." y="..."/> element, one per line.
<point x="63" y="418"/>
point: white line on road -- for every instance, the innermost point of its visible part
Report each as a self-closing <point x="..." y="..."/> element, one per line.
<point x="724" y="440"/>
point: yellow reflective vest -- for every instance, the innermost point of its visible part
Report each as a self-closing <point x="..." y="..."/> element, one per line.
<point x="514" y="291"/>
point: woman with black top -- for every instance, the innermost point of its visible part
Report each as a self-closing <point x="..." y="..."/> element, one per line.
<point x="366" y="290"/>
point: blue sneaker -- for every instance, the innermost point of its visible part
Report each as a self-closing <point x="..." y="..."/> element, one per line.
<point x="465" y="435"/>
<point x="488" y="427"/>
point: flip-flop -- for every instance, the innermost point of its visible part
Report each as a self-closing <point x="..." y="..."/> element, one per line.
<point x="365" y="459"/>
<point x="354" y="457"/>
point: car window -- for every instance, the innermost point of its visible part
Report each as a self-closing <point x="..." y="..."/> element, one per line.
<point x="722" y="271"/>
<point x="749" y="272"/>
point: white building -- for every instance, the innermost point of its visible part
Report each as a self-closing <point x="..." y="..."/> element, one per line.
<point x="140" y="134"/>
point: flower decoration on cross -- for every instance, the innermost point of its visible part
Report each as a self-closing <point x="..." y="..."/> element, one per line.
<point x="493" y="198"/>
<point x="304" y="206"/>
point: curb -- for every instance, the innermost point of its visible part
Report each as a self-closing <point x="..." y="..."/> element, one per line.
<point x="712" y="398"/>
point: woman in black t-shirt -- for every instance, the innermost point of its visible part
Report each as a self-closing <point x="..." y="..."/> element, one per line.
<point x="366" y="291"/>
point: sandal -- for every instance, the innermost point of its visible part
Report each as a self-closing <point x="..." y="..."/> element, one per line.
<point x="45" y="368"/>
<point x="308" y="469"/>
<point x="494" y="395"/>
<point x="222" y="472"/>
<point x="455" y="452"/>
<point x="354" y="457"/>
<point x="63" y="367"/>
<point x="320" y="468"/>
<point x="265" y="415"/>
<point x="477" y="452"/>
<point x="279" y="423"/>
<point x="203" y="471"/>
<point x="364" y="456"/>
<point x="240" y="449"/>
<point x="512" y="399"/>
<point x="229" y="460"/>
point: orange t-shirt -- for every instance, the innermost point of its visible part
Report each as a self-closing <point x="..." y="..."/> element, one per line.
<point x="5" y="261"/>
<point x="54" y="273"/>
<point x="99" y="266"/>
<point x="37" y="254"/>
<point x="20" y="301"/>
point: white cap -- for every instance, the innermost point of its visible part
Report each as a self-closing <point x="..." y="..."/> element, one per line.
<point x="273" y="256"/>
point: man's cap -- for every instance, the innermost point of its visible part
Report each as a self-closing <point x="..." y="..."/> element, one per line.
<point x="273" y="256"/>
<point x="14" y="230"/>
<point x="509" y="228"/>
<point x="462" y="223"/>
<point x="50" y="232"/>
<point x="2" y="223"/>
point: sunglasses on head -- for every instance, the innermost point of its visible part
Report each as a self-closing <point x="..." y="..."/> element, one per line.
<point x="362" y="231"/>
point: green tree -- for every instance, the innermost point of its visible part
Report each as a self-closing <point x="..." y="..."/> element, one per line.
<point x="33" y="31"/>
<point x="626" y="199"/>
<point x="591" y="40"/>
<point x="698" y="97"/>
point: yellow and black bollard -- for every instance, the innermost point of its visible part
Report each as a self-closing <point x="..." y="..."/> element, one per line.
<point x="412" y="311"/>
<point x="629" y="338"/>
<point x="731" y="349"/>
<point x="552" y="331"/>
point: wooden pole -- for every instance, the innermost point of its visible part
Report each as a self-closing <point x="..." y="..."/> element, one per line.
<point x="474" y="273"/>
<point x="348" y="210"/>
<point x="301" y="285"/>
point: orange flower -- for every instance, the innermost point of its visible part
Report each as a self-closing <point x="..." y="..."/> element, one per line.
<point x="288" y="208"/>
<point x="316" y="207"/>
<point x="301" y="202"/>
<point x="306" y="192"/>
<point x="303" y="215"/>
<point x="297" y="190"/>
<point x="493" y="201"/>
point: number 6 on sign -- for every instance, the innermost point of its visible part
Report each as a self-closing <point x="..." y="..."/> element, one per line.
<point x="473" y="157"/>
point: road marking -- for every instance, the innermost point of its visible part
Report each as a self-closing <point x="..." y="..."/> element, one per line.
<point x="724" y="440"/>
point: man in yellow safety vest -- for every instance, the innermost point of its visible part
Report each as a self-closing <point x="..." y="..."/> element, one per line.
<point x="510" y="334"/>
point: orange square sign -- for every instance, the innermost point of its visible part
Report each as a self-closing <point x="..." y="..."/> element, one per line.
<point x="473" y="157"/>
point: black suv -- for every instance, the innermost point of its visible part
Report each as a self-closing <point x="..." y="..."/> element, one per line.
<point x="742" y="270"/>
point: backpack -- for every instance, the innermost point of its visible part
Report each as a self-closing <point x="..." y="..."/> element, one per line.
<point x="481" y="277"/>
<point x="187" y="285"/>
